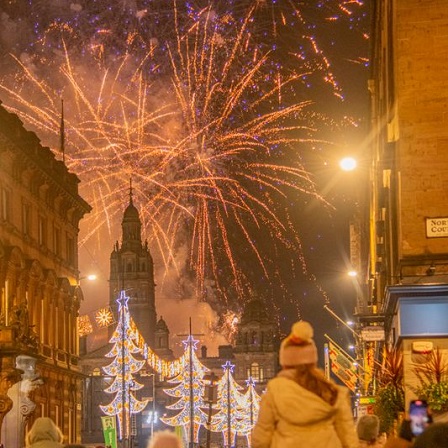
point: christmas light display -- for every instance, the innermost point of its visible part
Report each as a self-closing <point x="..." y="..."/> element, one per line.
<point x="251" y="408"/>
<point x="189" y="390"/>
<point x="231" y="407"/>
<point x="84" y="325"/>
<point x="235" y="412"/>
<point x="122" y="368"/>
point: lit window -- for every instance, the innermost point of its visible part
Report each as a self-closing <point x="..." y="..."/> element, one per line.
<point x="255" y="371"/>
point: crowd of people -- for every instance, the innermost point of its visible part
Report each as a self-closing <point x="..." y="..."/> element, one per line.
<point x="301" y="407"/>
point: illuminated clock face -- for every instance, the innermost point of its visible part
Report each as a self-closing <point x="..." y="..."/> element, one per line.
<point x="104" y="317"/>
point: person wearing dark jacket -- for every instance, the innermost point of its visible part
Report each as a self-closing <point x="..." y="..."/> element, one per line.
<point x="403" y="439"/>
<point x="434" y="436"/>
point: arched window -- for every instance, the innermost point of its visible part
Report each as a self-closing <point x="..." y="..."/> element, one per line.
<point x="256" y="372"/>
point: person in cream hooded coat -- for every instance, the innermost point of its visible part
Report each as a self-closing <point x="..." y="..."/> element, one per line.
<point x="300" y="406"/>
<point x="44" y="434"/>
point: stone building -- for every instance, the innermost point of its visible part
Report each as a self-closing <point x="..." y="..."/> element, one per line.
<point x="406" y="276"/>
<point x="256" y="345"/>
<point x="40" y="212"/>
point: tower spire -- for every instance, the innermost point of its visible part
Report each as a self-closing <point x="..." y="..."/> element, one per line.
<point x="130" y="190"/>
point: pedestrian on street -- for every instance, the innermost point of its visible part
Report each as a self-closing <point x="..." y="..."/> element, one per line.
<point x="44" y="434"/>
<point x="403" y="439"/>
<point x="165" y="439"/>
<point x="434" y="436"/>
<point x="368" y="429"/>
<point x="301" y="407"/>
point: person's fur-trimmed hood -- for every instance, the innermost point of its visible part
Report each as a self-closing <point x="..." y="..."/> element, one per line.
<point x="44" y="434"/>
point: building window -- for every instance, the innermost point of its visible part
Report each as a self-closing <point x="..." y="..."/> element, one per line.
<point x="57" y="241"/>
<point x="6" y="205"/>
<point x="42" y="230"/>
<point x="256" y="372"/>
<point x="26" y="218"/>
<point x="70" y="249"/>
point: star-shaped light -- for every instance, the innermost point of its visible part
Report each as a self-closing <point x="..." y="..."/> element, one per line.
<point x="250" y="382"/>
<point x="228" y="366"/>
<point x="104" y="317"/>
<point x="122" y="300"/>
<point x="190" y="341"/>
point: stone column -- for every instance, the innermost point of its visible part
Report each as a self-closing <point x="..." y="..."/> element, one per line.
<point x="9" y="375"/>
<point x="23" y="406"/>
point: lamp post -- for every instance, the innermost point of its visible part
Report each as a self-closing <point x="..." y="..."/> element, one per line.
<point x="123" y="387"/>
<point x="153" y="399"/>
<point x="229" y="420"/>
<point x="209" y="394"/>
<point x="153" y="415"/>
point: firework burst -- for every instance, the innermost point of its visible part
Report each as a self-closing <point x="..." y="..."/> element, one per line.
<point x="214" y="150"/>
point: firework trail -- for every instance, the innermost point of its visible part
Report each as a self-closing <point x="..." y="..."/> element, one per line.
<point x="211" y="128"/>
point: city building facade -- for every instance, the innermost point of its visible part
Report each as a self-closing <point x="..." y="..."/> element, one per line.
<point x="405" y="277"/>
<point x="40" y="212"/>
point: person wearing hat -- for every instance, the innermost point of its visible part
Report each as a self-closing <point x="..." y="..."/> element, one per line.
<point x="301" y="407"/>
<point x="368" y="429"/>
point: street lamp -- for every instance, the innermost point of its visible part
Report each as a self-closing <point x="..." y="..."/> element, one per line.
<point x="153" y="416"/>
<point x="209" y="398"/>
<point x="153" y="400"/>
<point x="90" y="277"/>
<point x="348" y="163"/>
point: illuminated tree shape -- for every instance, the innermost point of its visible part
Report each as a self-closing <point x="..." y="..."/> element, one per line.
<point x="122" y="368"/>
<point x="189" y="391"/>
<point x="252" y="407"/>
<point x="231" y="406"/>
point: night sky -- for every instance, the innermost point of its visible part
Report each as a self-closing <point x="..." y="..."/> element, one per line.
<point x="309" y="53"/>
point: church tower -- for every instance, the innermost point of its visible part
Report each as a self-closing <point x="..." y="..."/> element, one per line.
<point x="132" y="270"/>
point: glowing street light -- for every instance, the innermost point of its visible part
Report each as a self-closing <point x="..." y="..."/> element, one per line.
<point x="348" y="164"/>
